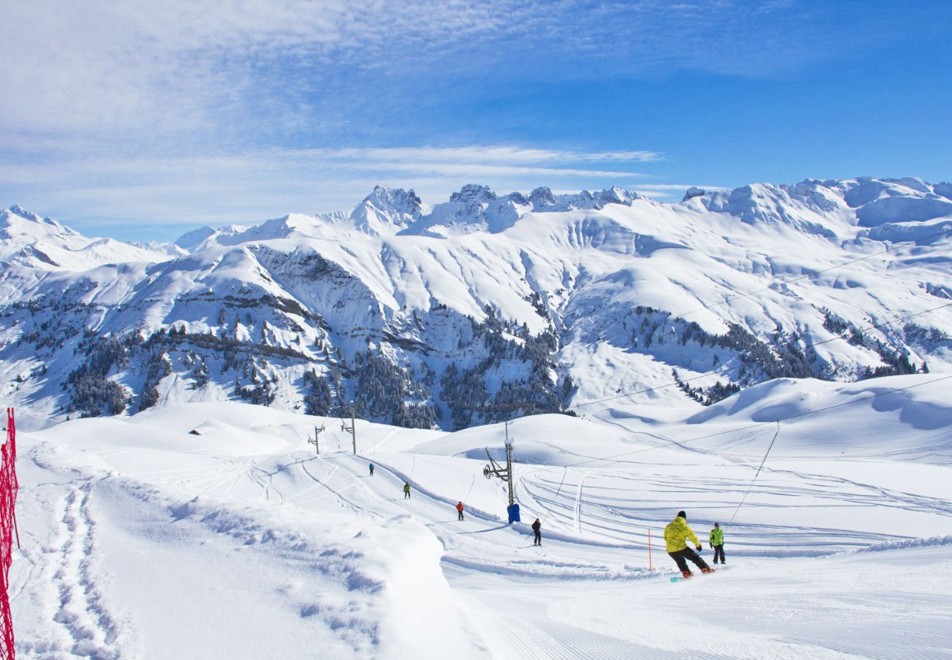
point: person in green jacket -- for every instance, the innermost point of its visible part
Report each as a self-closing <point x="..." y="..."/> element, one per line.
<point x="676" y="536"/>
<point x="717" y="543"/>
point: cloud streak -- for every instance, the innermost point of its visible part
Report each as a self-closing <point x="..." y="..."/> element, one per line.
<point x="194" y="66"/>
<point x="250" y="186"/>
<point x="124" y="109"/>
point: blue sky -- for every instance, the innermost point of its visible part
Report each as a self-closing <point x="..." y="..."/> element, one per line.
<point x="140" y="122"/>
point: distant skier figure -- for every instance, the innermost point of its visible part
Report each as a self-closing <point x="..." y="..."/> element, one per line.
<point x="717" y="543"/>
<point x="406" y="490"/>
<point x="676" y="536"/>
<point x="537" y="529"/>
<point x="371" y="469"/>
<point x="459" y="509"/>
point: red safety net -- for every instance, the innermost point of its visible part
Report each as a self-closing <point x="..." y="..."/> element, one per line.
<point x="8" y="498"/>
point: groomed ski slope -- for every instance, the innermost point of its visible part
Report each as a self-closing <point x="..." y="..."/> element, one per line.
<point x="212" y="530"/>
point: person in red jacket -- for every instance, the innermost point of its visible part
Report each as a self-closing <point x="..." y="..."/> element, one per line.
<point x="676" y="536"/>
<point x="459" y="509"/>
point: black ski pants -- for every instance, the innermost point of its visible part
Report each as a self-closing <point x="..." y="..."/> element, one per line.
<point x="681" y="556"/>
<point x="718" y="553"/>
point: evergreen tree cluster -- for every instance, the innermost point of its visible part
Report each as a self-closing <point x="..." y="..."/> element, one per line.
<point x="254" y="384"/>
<point x="507" y="349"/>
<point x="389" y="393"/>
<point x="48" y="324"/>
<point x="91" y="391"/>
<point x="896" y="361"/>
<point x="318" y="394"/>
<point x="754" y="360"/>
<point x="706" y="396"/>
<point x="929" y="339"/>
<point x="158" y="366"/>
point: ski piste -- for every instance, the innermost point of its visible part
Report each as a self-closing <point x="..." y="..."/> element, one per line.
<point x="681" y="578"/>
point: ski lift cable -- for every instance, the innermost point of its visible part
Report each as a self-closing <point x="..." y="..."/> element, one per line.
<point x="756" y="474"/>
<point x="558" y="491"/>
<point x="472" y="485"/>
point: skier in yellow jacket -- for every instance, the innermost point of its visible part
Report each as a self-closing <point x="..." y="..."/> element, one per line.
<point x="676" y="536"/>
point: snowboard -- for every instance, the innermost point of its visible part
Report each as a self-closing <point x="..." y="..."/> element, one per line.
<point x="681" y="578"/>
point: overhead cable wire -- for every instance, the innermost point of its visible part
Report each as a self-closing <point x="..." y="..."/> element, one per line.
<point x="756" y="474"/>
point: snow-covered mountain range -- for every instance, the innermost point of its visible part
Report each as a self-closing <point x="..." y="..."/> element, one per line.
<point x="484" y="307"/>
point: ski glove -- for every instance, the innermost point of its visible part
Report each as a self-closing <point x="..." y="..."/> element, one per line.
<point x="699" y="548"/>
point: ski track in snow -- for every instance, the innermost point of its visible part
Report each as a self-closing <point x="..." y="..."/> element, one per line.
<point x="871" y="493"/>
<point x="81" y="609"/>
<point x="852" y="592"/>
<point x="622" y="516"/>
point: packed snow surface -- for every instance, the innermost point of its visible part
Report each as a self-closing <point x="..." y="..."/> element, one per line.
<point x="217" y="531"/>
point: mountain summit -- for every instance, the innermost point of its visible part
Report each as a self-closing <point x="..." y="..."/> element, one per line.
<point x="486" y="306"/>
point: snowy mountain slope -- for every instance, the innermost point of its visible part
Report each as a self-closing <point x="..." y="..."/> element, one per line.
<point x="43" y="244"/>
<point x="152" y="535"/>
<point x="484" y="307"/>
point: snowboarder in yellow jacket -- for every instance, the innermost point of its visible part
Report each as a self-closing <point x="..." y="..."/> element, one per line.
<point x="676" y="536"/>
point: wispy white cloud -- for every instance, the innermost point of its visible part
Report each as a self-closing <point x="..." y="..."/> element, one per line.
<point x="250" y="186"/>
<point x="193" y="66"/>
<point x="495" y="154"/>
<point x="217" y="108"/>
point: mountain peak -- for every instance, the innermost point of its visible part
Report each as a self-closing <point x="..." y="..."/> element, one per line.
<point x="195" y="238"/>
<point x="387" y="209"/>
<point x="17" y="222"/>
<point x="474" y="208"/>
<point x="473" y="194"/>
<point x="18" y="210"/>
<point x="542" y="198"/>
<point x="693" y="192"/>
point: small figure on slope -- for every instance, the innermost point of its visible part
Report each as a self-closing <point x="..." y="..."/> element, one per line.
<point x="371" y="469"/>
<point x="676" y="536"/>
<point x="406" y="490"/>
<point x="459" y="509"/>
<point x="537" y="530"/>
<point x="717" y="543"/>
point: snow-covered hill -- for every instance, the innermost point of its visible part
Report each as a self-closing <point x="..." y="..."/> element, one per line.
<point x="215" y="531"/>
<point x="485" y="307"/>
